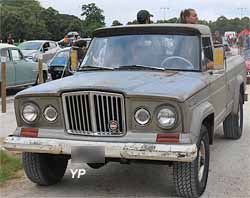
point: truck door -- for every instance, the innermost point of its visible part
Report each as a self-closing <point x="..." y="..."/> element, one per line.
<point x="217" y="81"/>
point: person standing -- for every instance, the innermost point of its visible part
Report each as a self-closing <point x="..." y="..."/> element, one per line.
<point x="143" y="17"/>
<point x="189" y="16"/>
<point x="248" y="42"/>
<point x="217" y="39"/>
<point x="10" y="39"/>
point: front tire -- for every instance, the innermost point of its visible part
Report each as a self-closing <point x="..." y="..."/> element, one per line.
<point x="190" y="178"/>
<point x="95" y="165"/>
<point x="44" y="169"/>
<point x="233" y="124"/>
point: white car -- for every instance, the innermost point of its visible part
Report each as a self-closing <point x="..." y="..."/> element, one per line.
<point x="32" y="49"/>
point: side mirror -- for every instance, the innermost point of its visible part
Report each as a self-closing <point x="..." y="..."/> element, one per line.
<point x="219" y="57"/>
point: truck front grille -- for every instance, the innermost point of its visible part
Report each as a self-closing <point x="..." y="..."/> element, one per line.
<point x="94" y="113"/>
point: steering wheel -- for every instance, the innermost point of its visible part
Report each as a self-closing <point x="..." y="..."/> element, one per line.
<point x="190" y="65"/>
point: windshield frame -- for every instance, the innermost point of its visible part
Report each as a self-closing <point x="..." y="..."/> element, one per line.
<point x="198" y="68"/>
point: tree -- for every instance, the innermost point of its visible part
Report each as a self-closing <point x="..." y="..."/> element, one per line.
<point x="93" y="18"/>
<point x="116" y="23"/>
<point x="132" y="22"/>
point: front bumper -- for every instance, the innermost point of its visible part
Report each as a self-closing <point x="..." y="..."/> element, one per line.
<point x="141" y="151"/>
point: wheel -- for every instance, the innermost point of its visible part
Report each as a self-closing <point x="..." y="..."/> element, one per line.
<point x="233" y="124"/>
<point x="171" y="58"/>
<point x="44" y="169"/>
<point x="95" y="165"/>
<point x="190" y="178"/>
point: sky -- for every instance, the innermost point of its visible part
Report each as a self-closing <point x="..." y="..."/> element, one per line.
<point x="125" y="10"/>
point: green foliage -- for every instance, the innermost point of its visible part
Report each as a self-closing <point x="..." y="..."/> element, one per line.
<point x="132" y="22"/>
<point x="27" y="20"/>
<point x="172" y="20"/>
<point x="116" y="23"/>
<point x="9" y="165"/>
<point x="93" y="18"/>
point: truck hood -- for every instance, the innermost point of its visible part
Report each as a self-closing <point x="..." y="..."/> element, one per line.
<point x="176" y="85"/>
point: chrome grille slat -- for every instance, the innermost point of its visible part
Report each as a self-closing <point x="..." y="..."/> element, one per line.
<point x="82" y="110"/>
<point x="92" y="113"/>
<point x="87" y="110"/>
<point x="103" y="115"/>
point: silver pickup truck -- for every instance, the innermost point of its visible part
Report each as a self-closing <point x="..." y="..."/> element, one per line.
<point x="148" y="93"/>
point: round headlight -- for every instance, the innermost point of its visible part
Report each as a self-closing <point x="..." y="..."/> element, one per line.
<point x="142" y="116"/>
<point x="50" y="113"/>
<point x="166" y="117"/>
<point x="30" y="113"/>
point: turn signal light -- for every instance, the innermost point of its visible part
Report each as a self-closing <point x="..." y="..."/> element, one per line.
<point x="168" y="138"/>
<point x="29" y="132"/>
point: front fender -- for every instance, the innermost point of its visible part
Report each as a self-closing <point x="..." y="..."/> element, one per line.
<point x="239" y="81"/>
<point x="199" y="114"/>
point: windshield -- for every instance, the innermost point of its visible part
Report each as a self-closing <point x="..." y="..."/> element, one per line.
<point x="165" y="51"/>
<point x="61" y="59"/>
<point x="30" y="45"/>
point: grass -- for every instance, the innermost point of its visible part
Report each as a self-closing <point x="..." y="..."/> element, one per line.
<point x="9" y="165"/>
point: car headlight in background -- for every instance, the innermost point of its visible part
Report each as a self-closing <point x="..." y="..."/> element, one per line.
<point x="30" y="113"/>
<point x="142" y="116"/>
<point x="50" y="113"/>
<point x="166" y="117"/>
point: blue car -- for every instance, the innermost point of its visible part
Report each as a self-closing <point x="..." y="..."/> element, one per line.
<point x="59" y="65"/>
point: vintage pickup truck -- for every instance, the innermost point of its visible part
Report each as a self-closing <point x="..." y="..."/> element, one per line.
<point x="147" y="93"/>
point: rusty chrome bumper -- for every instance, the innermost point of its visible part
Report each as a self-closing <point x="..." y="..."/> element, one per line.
<point x="143" y="151"/>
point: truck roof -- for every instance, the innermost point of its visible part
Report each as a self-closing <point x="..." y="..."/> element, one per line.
<point x="166" y="28"/>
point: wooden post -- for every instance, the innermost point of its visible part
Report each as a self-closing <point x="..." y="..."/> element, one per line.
<point x="3" y="86"/>
<point x="40" y="70"/>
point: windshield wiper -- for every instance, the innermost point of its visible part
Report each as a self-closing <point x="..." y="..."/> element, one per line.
<point x="89" y="67"/>
<point x="139" y="67"/>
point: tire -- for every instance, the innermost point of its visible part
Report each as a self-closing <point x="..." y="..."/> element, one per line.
<point x="233" y="124"/>
<point x="187" y="181"/>
<point x="95" y="165"/>
<point x="44" y="169"/>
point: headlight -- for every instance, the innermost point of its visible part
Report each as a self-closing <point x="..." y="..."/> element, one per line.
<point x="166" y="117"/>
<point x="30" y="113"/>
<point x="142" y="116"/>
<point x="50" y="113"/>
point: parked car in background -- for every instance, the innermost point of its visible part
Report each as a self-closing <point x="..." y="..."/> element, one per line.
<point x="19" y="71"/>
<point x="59" y="66"/>
<point x="32" y="49"/>
<point x="68" y="39"/>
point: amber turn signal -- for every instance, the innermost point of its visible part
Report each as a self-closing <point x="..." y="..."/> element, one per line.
<point x="168" y="138"/>
<point x="29" y="132"/>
